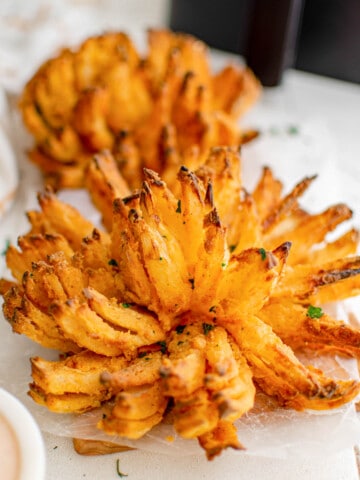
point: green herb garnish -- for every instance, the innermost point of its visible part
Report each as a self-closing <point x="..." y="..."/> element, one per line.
<point x="314" y="312"/>
<point x="126" y="305"/>
<point x="232" y="248"/>
<point x="113" y="262"/>
<point x="262" y="252"/>
<point x="121" y="475"/>
<point x="178" y="210"/>
<point x="292" y="130"/>
<point x="7" y="245"/>
<point x="192" y="282"/>
<point x="207" y="327"/>
<point x="180" y="328"/>
<point x="212" y="309"/>
<point x="162" y="344"/>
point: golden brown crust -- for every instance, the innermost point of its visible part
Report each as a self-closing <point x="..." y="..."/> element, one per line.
<point x="163" y="318"/>
<point x="80" y="102"/>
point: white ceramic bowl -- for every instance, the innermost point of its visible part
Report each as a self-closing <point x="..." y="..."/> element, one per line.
<point x="31" y="450"/>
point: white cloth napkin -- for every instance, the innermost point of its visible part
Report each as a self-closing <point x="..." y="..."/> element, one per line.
<point x="32" y="31"/>
<point x="8" y="166"/>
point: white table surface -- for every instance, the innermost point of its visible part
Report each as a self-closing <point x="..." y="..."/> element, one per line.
<point x="307" y="99"/>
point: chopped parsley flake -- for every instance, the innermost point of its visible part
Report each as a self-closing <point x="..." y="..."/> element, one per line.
<point x="7" y="245"/>
<point x="126" y="305"/>
<point x="223" y="265"/>
<point x="232" y="248"/>
<point x="113" y="262"/>
<point x="180" y="328"/>
<point x="212" y="309"/>
<point x="207" y="327"/>
<point x="293" y="130"/>
<point x="121" y="475"/>
<point x="178" y="210"/>
<point x="162" y="344"/>
<point x="192" y="282"/>
<point x="262" y="252"/>
<point x="314" y="312"/>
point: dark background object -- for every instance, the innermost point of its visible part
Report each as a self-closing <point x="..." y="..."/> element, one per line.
<point x="221" y="24"/>
<point x="329" y="42"/>
<point x="324" y="39"/>
<point x="263" y="31"/>
<point x="272" y="37"/>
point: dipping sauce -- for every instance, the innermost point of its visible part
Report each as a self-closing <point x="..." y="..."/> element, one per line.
<point x="9" y="452"/>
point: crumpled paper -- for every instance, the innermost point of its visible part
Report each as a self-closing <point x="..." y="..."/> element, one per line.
<point x="293" y="148"/>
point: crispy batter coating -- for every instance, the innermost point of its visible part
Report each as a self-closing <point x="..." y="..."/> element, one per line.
<point x="176" y="313"/>
<point x="149" y="111"/>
